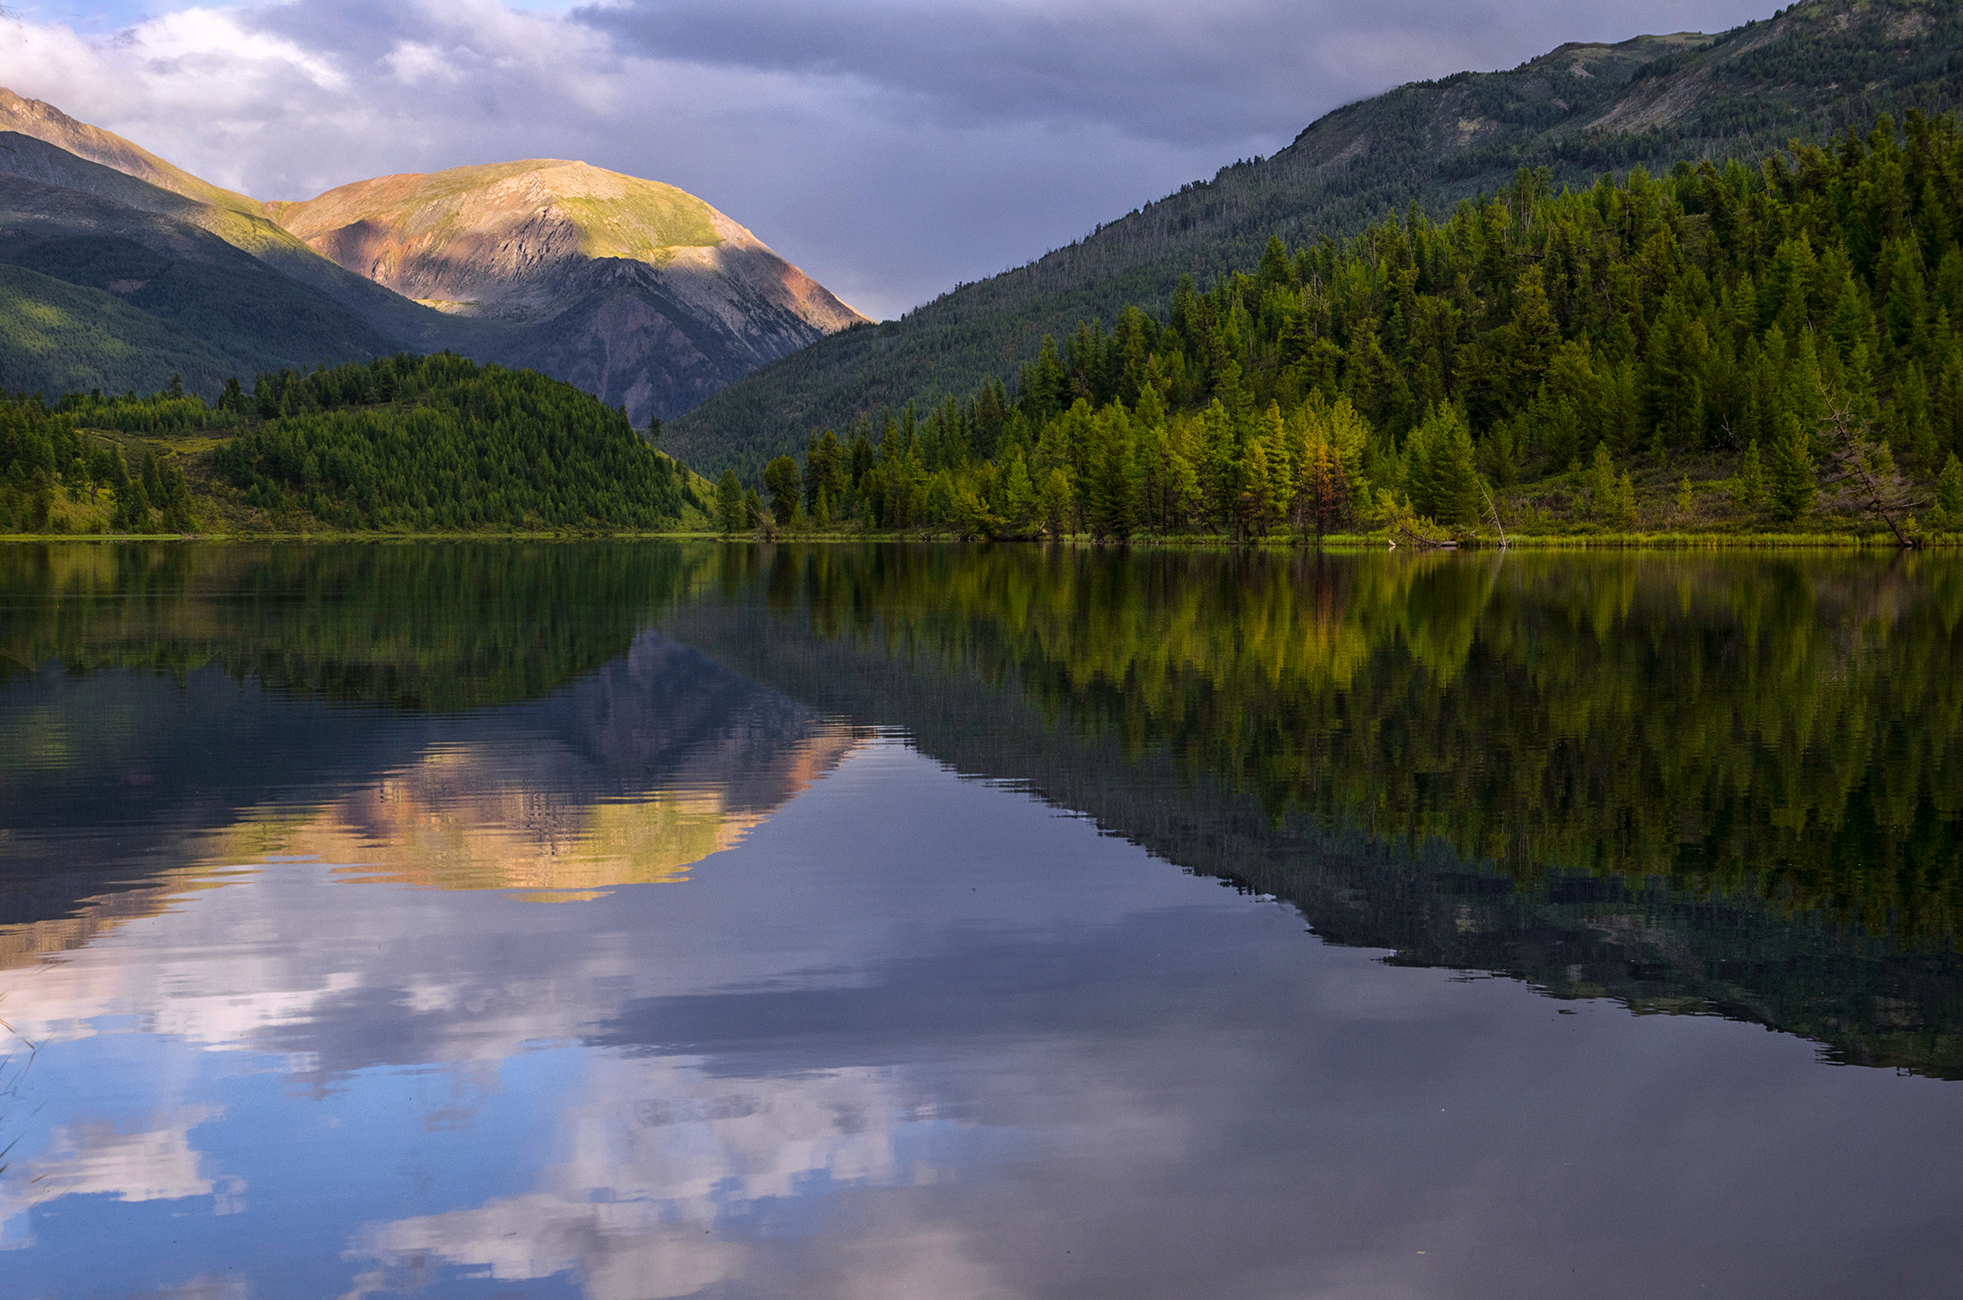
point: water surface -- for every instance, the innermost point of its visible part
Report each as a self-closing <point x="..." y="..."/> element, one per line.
<point x="634" y="921"/>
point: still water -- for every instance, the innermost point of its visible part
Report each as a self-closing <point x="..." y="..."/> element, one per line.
<point x="636" y="921"/>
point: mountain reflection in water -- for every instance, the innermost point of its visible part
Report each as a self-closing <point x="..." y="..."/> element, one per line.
<point x="877" y="972"/>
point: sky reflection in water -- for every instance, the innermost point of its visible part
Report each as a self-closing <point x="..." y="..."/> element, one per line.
<point x="665" y="983"/>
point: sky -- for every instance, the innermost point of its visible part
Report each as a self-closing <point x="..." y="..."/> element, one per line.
<point x="891" y="148"/>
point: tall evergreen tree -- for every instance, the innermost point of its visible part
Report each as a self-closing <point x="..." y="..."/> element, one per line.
<point x="781" y="480"/>
<point x="1789" y="472"/>
<point x="729" y="504"/>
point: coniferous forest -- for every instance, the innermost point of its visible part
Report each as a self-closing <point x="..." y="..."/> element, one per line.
<point x="399" y="444"/>
<point x="1808" y="73"/>
<point x="1719" y="349"/>
<point x="1780" y="345"/>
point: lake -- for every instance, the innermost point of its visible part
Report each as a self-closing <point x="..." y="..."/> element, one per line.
<point x="637" y="920"/>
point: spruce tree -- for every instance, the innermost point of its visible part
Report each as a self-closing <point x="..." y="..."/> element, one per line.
<point x="176" y="500"/>
<point x="1055" y="502"/>
<point x="132" y="514"/>
<point x="781" y="479"/>
<point x="1015" y="495"/>
<point x="1624" y="513"/>
<point x="1947" y="513"/>
<point x="1254" y="504"/>
<point x="1602" y="485"/>
<point x="1748" y="491"/>
<point x="1441" y="472"/>
<point x="729" y="503"/>
<point x="1109" y="508"/>
<point x="1328" y="491"/>
<point x="1789" y="474"/>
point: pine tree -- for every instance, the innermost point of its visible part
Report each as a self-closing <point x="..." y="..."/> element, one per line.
<point x="1789" y="473"/>
<point x="1748" y="492"/>
<point x="1015" y="499"/>
<point x="1601" y="484"/>
<point x="1328" y="500"/>
<point x="781" y="480"/>
<point x="1947" y="513"/>
<point x="1056" y="503"/>
<point x="729" y="504"/>
<point x="1623" y="515"/>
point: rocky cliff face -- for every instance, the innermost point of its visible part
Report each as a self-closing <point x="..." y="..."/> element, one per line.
<point x="632" y="289"/>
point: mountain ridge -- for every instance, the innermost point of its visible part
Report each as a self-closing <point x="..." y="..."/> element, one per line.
<point x="630" y="288"/>
<point x="1651" y="100"/>
<point x="236" y="218"/>
<point x="544" y="264"/>
<point x="212" y="309"/>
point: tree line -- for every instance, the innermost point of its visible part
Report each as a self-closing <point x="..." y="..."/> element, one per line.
<point x="44" y="458"/>
<point x="441" y="443"/>
<point x="1747" y="94"/>
<point x="405" y="443"/>
<point x="1798" y="327"/>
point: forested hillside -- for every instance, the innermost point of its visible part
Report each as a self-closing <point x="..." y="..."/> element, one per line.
<point x="1791" y="330"/>
<point x="57" y="337"/>
<point x="126" y="289"/>
<point x="400" y="444"/>
<point x="1578" y="112"/>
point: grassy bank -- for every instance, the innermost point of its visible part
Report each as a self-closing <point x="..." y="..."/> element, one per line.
<point x="1376" y="541"/>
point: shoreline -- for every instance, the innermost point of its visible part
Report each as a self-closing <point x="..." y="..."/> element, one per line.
<point x="1332" y="542"/>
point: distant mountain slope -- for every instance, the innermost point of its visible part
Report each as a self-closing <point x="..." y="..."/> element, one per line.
<point x="46" y="122"/>
<point x="242" y="311"/>
<point x="637" y="292"/>
<point x="238" y="220"/>
<point x="646" y="295"/>
<point x="1578" y="111"/>
<point x="57" y="337"/>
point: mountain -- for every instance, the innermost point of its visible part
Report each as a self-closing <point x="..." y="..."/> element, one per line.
<point x="637" y="292"/>
<point x="168" y="191"/>
<point x="178" y="287"/>
<point x="57" y="337"/>
<point x="1579" y="111"/>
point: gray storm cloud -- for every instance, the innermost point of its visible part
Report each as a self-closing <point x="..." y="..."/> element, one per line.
<point x="1217" y="73"/>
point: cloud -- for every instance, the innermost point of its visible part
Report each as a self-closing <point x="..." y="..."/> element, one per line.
<point x="890" y="147"/>
<point x="659" y="1153"/>
<point x="1159" y="69"/>
<point x="96" y="1158"/>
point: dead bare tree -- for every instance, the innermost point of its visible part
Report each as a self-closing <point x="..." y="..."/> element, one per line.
<point x="1495" y="512"/>
<point x="1854" y="458"/>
